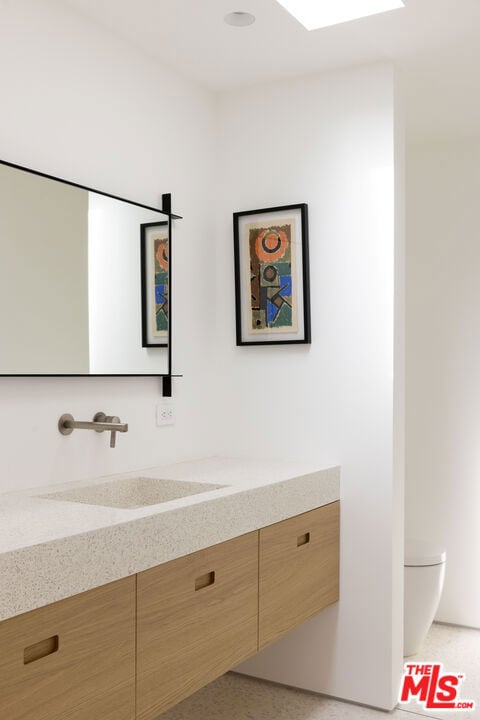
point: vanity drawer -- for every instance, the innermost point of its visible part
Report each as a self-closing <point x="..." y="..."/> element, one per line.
<point x="197" y="618"/>
<point x="298" y="570"/>
<point x="72" y="660"/>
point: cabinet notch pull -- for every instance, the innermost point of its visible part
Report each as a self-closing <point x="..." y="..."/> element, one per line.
<point x="205" y="580"/>
<point x="40" y="650"/>
<point x="303" y="539"/>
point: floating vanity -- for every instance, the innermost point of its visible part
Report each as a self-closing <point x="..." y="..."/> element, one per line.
<point x="121" y="597"/>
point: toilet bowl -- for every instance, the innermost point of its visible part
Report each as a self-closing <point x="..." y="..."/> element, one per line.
<point x="424" y="576"/>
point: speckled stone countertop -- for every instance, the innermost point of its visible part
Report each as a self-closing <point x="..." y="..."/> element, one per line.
<point x="51" y="549"/>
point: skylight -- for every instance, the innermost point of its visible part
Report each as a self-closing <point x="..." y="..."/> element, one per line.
<point x="314" y="14"/>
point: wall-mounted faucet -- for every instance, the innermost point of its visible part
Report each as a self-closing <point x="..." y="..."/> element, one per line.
<point x="100" y="423"/>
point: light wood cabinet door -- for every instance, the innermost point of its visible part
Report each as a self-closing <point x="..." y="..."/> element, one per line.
<point x="298" y="570"/>
<point x="72" y="660"/>
<point x="196" y="619"/>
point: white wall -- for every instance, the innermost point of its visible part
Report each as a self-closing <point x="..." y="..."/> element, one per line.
<point x="399" y="429"/>
<point x="327" y="141"/>
<point x="443" y="361"/>
<point x="82" y="105"/>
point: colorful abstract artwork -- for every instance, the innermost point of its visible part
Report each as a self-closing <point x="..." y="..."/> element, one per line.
<point x="271" y="275"/>
<point x="155" y="283"/>
<point x="271" y="255"/>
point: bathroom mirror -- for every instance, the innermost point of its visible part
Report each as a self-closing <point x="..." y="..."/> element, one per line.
<point x="84" y="280"/>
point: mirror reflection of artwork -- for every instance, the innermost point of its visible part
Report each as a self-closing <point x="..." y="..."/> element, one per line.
<point x="155" y="284"/>
<point x="271" y="276"/>
<point x="160" y="324"/>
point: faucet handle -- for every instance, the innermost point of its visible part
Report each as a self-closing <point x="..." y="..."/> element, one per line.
<point x="113" y="433"/>
<point x="102" y="418"/>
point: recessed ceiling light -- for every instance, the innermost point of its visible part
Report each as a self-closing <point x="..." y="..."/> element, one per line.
<point x="239" y="19"/>
<point x="314" y="14"/>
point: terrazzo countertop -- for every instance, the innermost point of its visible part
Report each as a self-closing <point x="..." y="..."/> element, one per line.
<point x="51" y="548"/>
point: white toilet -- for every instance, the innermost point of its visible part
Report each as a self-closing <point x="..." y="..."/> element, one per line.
<point x="424" y="576"/>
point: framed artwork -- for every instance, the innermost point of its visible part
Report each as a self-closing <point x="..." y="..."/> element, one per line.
<point x="272" y="294"/>
<point x="154" y="248"/>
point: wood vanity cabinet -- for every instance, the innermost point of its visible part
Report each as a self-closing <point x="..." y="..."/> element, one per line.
<point x="196" y="619"/>
<point x="136" y="647"/>
<point x="298" y="570"/>
<point x="72" y="660"/>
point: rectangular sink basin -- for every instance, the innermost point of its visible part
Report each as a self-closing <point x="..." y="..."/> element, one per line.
<point x="130" y="493"/>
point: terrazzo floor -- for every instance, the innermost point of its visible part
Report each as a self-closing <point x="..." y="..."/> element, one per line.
<point x="236" y="697"/>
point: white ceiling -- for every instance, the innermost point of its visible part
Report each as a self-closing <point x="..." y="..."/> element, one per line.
<point x="434" y="43"/>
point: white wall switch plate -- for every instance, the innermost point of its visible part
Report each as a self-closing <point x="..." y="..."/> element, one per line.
<point x="165" y="413"/>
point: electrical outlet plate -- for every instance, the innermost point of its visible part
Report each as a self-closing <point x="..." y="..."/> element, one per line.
<point x="165" y="413"/>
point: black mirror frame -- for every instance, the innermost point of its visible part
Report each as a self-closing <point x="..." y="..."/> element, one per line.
<point x="166" y="209"/>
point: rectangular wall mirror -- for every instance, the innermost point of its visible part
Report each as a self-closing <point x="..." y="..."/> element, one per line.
<point x="84" y="280"/>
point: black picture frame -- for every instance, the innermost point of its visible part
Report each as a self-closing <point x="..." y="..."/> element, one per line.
<point x="147" y="238"/>
<point x="262" y="302"/>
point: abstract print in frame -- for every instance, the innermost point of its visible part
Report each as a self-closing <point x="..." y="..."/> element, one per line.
<point x="272" y="275"/>
<point x="154" y="239"/>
